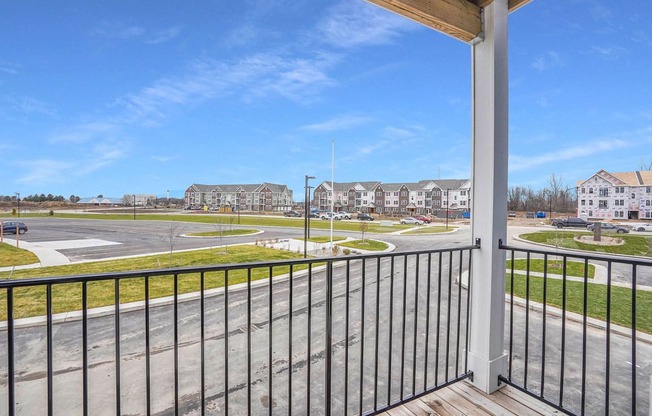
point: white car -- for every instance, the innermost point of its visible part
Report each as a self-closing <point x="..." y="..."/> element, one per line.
<point x="642" y="227"/>
<point x="411" y="220"/>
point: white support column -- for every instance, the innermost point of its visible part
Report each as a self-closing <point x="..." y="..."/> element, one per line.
<point x="487" y="358"/>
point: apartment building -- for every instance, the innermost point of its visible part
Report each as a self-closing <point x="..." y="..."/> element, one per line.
<point x="423" y="197"/>
<point x="623" y="195"/>
<point x="243" y="197"/>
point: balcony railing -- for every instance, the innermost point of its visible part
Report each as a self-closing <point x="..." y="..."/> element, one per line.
<point x="344" y="335"/>
<point x="573" y="338"/>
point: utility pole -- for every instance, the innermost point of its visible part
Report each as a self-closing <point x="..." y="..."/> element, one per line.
<point x="18" y="202"/>
<point x="306" y="218"/>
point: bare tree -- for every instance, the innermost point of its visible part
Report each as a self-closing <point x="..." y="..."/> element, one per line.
<point x="221" y="229"/>
<point x="173" y="233"/>
<point x="363" y="226"/>
<point x="645" y="166"/>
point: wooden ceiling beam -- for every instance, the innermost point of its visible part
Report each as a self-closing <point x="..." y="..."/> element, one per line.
<point x="458" y="18"/>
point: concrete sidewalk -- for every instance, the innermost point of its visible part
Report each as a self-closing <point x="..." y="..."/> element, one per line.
<point x="46" y="253"/>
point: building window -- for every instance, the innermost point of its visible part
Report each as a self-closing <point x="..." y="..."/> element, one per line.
<point x="590" y="190"/>
<point x="633" y="196"/>
<point x="583" y="190"/>
<point x="583" y="202"/>
<point x="604" y="191"/>
<point x="603" y="203"/>
<point x="463" y="193"/>
<point x="404" y="193"/>
<point x="590" y="202"/>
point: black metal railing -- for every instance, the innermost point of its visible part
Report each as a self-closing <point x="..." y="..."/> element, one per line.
<point x="577" y="330"/>
<point x="341" y="335"/>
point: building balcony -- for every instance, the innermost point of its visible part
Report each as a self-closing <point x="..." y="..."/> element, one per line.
<point x="374" y="334"/>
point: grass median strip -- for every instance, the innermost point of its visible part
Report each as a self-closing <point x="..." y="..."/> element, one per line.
<point x="226" y="233"/>
<point x="634" y="245"/>
<point x="30" y="301"/>
<point x="573" y="268"/>
<point x="433" y="229"/>
<point x="621" y="299"/>
<point x="12" y="256"/>
<point x="369" y="245"/>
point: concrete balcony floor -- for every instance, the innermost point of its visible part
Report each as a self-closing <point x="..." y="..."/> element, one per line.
<point x="463" y="399"/>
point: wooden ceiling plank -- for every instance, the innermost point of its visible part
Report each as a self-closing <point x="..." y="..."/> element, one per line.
<point x="457" y="18"/>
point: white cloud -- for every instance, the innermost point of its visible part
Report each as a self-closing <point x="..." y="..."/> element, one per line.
<point x="548" y="60"/>
<point x="9" y="67"/>
<point x="352" y="24"/>
<point x="118" y="31"/>
<point x="85" y="132"/>
<point x="339" y="123"/>
<point x="163" y="36"/>
<point x="519" y="163"/>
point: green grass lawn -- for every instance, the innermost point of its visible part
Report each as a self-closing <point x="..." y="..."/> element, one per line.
<point x="67" y="297"/>
<point x="324" y="239"/>
<point x="621" y="300"/>
<point x="634" y="245"/>
<point x="370" y="245"/>
<point x="573" y="268"/>
<point x="12" y="256"/>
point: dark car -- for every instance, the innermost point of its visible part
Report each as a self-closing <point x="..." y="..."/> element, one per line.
<point x="11" y="227"/>
<point x="292" y="213"/>
<point x="365" y="217"/>
<point x="609" y="227"/>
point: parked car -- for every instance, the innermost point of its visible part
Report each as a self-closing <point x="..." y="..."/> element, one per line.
<point x="643" y="227"/>
<point x="607" y="226"/>
<point x="365" y="217"/>
<point x="569" y="222"/>
<point x="345" y="215"/>
<point x="511" y="214"/>
<point x="425" y="220"/>
<point x="411" y="220"/>
<point x="292" y="213"/>
<point x="11" y="227"/>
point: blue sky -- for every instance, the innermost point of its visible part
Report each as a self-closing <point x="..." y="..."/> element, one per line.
<point x="146" y="96"/>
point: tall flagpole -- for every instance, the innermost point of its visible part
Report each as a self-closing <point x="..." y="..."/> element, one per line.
<point x="332" y="188"/>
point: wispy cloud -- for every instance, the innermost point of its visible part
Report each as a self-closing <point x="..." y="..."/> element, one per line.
<point x="259" y="75"/>
<point x="353" y="24"/>
<point x="164" y="159"/>
<point x="339" y="123"/>
<point x="9" y="67"/>
<point x="120" y="31"/>
<point x="25" y="106"/>
<point x="546" y="61"/>
<point x="85" y="132"/>
<point x="42" y="172"/>
<point x="608" y="52"/>
<point x="164" y="35"/>
<point x="518" y="163"/>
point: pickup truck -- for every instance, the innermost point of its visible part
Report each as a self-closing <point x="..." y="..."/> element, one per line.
<point x="569" y="222"/>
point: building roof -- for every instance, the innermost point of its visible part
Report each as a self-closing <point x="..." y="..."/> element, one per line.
<point x="636" y="178"/>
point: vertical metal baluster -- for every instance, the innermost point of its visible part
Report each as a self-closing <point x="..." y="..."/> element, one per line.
<point x="309" y="340"/>
<point x="438" y="318"/>
<point x="404" y="316"/>
<point x="633" y="338"/>
<point x="459" y="316"/>
<point x="176" y="344"/>
<point x="328" y="337"/>
<point x="608" y="342"/>
<point x="448" y="313"/>
<point x="390" y="330"/>
<point x="116" y="315"/>
<point x="270" y="358"/>
<point x="50" y="350"/>
<point x="377" y="346"/>
<point x="414" y="326"/>
<point x="584" y="329"/>
<point x="249" y="367"/>
<point x="11" y="379"/>
<point x="468" y="315"/>
<point x="148" y="372"/>
<point x="226" y="342"/>
<point x="543" y="324"/>
<point x="511" y="315"/>
<point x="362" y="317"/>
<point x="85" y="348"/>
<point x="202" y="315"/>
<point x="427" y="340"/>
<point x="346" y="334"/>
<point x="563" y="333"/>
<point x="526" y="357"/>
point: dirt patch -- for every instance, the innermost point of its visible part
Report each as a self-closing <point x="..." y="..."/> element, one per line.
<point x="604" y="241"/>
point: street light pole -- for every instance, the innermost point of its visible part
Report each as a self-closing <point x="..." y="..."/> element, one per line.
<point x="134" y="204"/>
<point x="18" y="202"/>
<point x="306" y="218"/>
<point x="448" y="204"/>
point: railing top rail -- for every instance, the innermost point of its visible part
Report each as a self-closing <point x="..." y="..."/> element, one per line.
<point x="39" y="281"/>
<point x="634" y="261"/>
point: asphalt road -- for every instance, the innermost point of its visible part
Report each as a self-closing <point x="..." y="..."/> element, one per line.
<point x="153" y="236"/>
